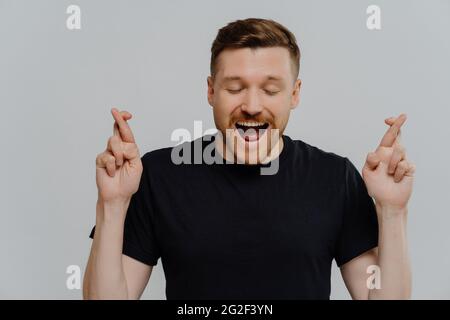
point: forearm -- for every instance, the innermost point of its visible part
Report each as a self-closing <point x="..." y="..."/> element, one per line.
<point x="393" y="258"/>
<point x="105" y="278"/>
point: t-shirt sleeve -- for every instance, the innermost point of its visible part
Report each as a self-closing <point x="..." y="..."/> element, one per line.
<point x="359" y="229"/>
<point x="139" y="241"/>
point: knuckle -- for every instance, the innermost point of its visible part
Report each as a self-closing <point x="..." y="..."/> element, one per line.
<point x="110" y="158"/>
<point x="98" y="160"/>
<point x="403" y="165"/>
<point x="101" y="157"/>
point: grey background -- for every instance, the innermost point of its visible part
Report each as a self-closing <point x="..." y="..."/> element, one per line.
<point x="152" y="58"/>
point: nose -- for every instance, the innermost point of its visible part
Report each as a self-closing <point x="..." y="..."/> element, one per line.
<point x="252" y="103"/>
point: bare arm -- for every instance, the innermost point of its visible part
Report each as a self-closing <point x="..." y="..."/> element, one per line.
<point x="110" y="274"/>
<point x="388" y="176"/>
<point x="391" y="257"/>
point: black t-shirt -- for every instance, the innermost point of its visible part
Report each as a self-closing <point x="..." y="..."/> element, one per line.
<point x="224" y="231"/>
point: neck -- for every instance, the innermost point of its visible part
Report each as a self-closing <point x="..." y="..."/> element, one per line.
<point x="274" y="152"/>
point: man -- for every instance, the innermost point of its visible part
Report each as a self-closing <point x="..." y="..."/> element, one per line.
<point x="225" y="231"/>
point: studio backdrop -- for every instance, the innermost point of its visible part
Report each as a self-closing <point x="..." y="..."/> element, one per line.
<point x="64" y="64"/>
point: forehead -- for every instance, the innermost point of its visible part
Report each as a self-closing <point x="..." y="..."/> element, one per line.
<point x="256" y="63"/>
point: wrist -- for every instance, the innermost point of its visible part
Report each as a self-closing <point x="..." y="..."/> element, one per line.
<point x="388" y="212"/>
<point x="111" y="210"/>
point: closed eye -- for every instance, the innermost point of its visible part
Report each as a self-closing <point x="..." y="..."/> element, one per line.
<point x="271" y="93"/>
<point x="236" y="91"/>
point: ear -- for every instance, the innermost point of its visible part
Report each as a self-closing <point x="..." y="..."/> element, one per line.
<point x="210" y="82"/>
<point x="296" y="94"/>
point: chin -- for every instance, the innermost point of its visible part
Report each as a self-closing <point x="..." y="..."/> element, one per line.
<point x="251" y="143"/>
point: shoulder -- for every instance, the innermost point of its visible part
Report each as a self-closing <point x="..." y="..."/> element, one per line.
<point x="322" y="166"/>
<point x="160" y="156"/>
<point x="326" y="167"/>
<point x="314" y="155"/>
<point x="188" y="152"/>
<point x="169" y="162"/>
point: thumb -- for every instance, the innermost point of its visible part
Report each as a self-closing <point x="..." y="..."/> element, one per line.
<point x="372" y="161"/>
<point x="131" y="153"/>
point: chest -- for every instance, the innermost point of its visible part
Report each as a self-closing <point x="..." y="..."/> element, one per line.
<point x="248" y="222"/>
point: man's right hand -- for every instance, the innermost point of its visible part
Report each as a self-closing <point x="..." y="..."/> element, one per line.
<point x="110" y="274"/>
<point x="119" y="167"/>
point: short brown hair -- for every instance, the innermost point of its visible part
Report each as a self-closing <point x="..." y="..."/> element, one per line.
<point x="255" y="33"/>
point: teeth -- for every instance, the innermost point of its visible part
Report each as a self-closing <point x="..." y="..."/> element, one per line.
<point x="250" y="124"/>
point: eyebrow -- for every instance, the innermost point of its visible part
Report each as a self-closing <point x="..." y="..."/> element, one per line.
<point x="236" y="78"/>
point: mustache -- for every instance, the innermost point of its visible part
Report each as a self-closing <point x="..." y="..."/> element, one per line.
<point x="252" y="119"/>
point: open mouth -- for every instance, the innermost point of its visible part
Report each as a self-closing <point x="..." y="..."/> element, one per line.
<point x="251" y="130"/>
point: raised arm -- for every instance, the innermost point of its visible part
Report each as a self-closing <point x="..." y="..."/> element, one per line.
<point x="110" y="274"/>
<point x="388" y="176"/>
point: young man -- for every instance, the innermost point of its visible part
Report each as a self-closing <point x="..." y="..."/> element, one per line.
<point x="225" y="231"/>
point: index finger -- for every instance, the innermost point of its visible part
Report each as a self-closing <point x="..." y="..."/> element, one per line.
<point x="390" y="121"/>
<point x="124" y="129"/>
<point x="125" y="115"/>
<point x="392" y="133"/>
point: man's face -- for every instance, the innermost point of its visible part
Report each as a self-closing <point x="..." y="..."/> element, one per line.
<point x="252" y="95"/>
